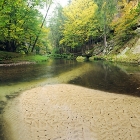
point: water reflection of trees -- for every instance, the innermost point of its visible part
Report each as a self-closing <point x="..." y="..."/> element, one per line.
<point x="109" y="78"/>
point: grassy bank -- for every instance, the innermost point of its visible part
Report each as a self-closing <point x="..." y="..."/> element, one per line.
<point x="10" y="57"/>
<point x="126" y="58"/>
<point x="129" y="58"/>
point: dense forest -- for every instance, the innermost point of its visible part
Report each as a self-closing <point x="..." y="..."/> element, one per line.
<point x="99" y="25"/>
<point x="21" y="25"/>
<point x="96" y="25"/>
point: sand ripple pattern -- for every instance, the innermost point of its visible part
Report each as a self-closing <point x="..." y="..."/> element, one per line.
<point x="68" y="112"/>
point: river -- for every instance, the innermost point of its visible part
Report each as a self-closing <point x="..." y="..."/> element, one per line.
<point x="117" y="78"/>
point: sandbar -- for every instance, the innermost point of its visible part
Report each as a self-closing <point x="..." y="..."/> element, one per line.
<point x="69" y="112"/>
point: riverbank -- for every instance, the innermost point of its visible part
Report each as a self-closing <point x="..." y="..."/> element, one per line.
<point x="11" y="58"/>
<point x="128" y="53"/>
<point x="65" y="111"/>
<point x="17" y="63"/>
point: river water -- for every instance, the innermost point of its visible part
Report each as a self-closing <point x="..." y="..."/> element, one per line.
<point x="117" y="78"/>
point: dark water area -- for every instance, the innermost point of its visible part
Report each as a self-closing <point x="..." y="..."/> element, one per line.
<point x="122" y="79"/>
<point x="111" y="78"/>
<point x="24" y="73"/>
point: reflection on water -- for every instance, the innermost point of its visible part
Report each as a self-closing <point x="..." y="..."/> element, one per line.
<point x="23" y="73"/>
<point x="111" y="78"/>
<point x="98" y="75"/>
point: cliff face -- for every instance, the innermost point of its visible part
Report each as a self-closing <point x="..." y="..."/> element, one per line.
<point x="136" y="49"/>
<point x="130" y="52"/>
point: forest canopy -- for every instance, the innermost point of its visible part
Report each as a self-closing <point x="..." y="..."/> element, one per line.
<point x="88" y="22"/>
<point x="81" y="25"/>
<point x="20" y="22"/>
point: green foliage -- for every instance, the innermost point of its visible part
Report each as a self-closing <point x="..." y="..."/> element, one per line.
<point x="56" y="25"/>
<point x="98" y="21"/>
<point x="79" y="24"/>
<point x="35" y="58"/>
<point x="125" y="25"/>
<point x="19" y="24"/>
<point x="86" y="19"/>
<point x="104" y="15"/>
<point x="11" y="57"/>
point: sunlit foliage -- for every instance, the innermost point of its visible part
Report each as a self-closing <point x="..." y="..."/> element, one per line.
<point x="79" y="22"/>
<point x="126" y="23"/>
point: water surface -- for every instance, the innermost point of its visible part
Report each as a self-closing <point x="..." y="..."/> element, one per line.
<point x="117" y="78"/>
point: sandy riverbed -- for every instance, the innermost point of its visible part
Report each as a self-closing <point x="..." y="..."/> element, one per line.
<point x="68" y="112"/>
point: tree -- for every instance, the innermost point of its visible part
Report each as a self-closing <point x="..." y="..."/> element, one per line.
<point x="10" y="25"/>
<point x="126" y="23"/>
<point x="56" y="26"/>
<point x="19" y="23"/>
<point x="79" y="23"/>
<point x="48" y="4"/>
<point x="105" y="14"/>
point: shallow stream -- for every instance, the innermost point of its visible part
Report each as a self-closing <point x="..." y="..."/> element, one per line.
<point x="117" y="78"/>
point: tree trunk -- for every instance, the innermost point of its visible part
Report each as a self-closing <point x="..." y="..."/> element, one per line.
<point x="41" y="26"/>
<point x="105" y="40"/>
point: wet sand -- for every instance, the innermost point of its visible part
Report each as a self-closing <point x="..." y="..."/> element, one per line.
<point x="68" y="112"/>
